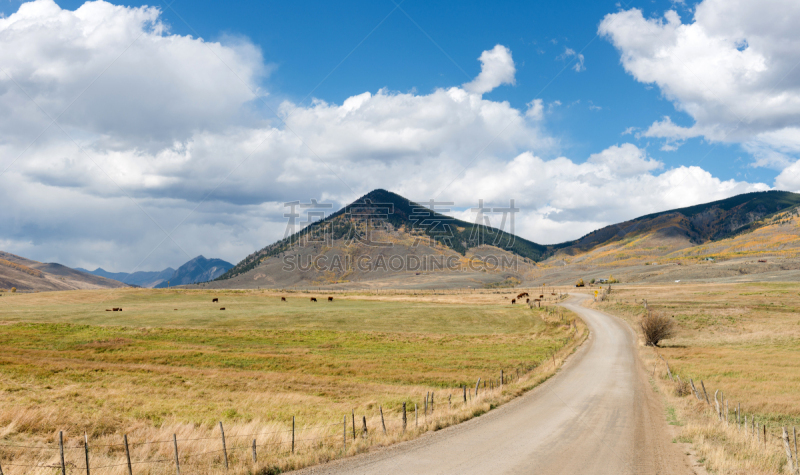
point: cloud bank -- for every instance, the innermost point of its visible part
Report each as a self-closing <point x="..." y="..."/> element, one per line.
<point x="164" y="147"/>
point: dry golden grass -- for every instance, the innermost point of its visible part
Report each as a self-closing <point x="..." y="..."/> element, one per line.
<point x="26" y="269"/>
<point x="779" y="237"/>
<point x="740" y="339"/>
<point x="151" y="372"/>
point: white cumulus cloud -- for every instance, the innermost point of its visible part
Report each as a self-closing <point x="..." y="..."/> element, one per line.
<point x="732" y="68"/>
<point x="497" y="68"/>
<point x="116" y="73"/>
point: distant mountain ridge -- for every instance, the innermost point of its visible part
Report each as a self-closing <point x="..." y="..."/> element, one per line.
<point x="636" y="240"/>
<point x="195" y="271"/>
<point x="140" y="278"/>
<point x="698" y="224"/>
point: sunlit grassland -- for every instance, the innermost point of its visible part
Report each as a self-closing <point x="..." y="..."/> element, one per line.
<point x="67" y="364"/>
<point x="253" y="310"/>
<point x="741" y="339"/>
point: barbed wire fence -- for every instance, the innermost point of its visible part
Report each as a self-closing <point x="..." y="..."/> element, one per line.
<point x="756" y="430"/>
<point x="337" y="436"/>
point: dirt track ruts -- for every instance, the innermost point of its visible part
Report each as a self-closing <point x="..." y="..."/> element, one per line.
<point x="598" y="415"/>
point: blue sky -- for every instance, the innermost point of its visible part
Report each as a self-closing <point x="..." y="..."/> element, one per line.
<point x="153" y="124"/>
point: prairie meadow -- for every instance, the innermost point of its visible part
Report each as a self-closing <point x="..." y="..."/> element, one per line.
<point x="172" y="363"/>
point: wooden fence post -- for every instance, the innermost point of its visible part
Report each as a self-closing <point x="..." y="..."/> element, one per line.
<point x="364" y="420"/>
<point x="764" y="427"/>
<point x="354" y="424"/>
<point x="383" y="423"/>
<point x="431" y="402"/>
<point x="416" y="417"/>
<point x="177" y="463"/>
<point x="426" y="404"/>
<point x="727" y="413"/>
<point x="61" y="449"/>
<point x="738" y="414"/>
<point x="502" y="379"/>
<point x="344" y="434"/>
<point x="292" y="434"/>
<point x="724" y="404"/>
<point x="86" y="450"/>
<point x="716" y="403"/>
<point x="797" y="459"/>
<point x="788" y="448"/>
<point x="704" y="392"/>
<point x="127" y="454"/>
<point x="255" y="457"/>
<point x="476" y="387"/>
<point x="696" y="394"/>
<point x="449" y="402"/>
<point x="224" y="447"/>
<point x="668" y="370"/>
<point x="465" y="394"/>
<point x="405" y="419"/>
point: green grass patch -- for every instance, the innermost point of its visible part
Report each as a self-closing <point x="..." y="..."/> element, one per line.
<point x="260" y="359"/>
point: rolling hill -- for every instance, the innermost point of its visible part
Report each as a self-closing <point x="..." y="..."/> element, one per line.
<point x="661" y="234"/>
<point x="32" y="276"/>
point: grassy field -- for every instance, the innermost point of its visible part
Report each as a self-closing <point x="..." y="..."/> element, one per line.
<point x="172" y="362"/>
<point x="741" y="339"/>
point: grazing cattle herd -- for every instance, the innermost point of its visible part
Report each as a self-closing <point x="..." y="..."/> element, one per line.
<point x="531" y="302"/>
<point x="528" y="301"/>
<point x="330" y="299"/>
<point x="216" y="299"/>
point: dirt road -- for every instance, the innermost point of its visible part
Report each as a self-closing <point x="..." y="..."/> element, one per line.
<point x="598" y="415"/>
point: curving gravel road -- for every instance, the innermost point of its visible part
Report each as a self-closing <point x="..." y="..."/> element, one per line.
<point x="598" y="415"/>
